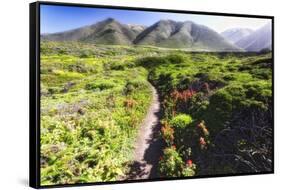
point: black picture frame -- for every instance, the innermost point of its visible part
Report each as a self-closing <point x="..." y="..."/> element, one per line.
<point x="34" y="90"/>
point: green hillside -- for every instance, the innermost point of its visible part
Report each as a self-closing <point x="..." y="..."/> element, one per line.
<point x="216" y="110"/>
<point x="92" y="103"/>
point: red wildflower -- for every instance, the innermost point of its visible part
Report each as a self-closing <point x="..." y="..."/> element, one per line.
<point x="174" y="146"/>
<point x="202" y="141"/>
<point x="189" y="163"/>
<point x="182" y="96"/>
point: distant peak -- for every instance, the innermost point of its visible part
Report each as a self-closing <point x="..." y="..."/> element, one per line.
<point x="188" y="22"/>
<point x="110" y="20"/>
<point x="165" y="20"/>
<point x="238" y="30"/>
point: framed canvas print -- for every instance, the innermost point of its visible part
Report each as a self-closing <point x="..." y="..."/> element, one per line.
<point x="122" y="94"/>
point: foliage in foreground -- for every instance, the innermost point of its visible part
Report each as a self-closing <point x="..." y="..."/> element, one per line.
<point x="91" y="108"/>
<point x="217" y="114"/>
<point x="217" y="110"/>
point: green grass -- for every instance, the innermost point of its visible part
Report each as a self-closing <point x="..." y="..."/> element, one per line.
<point x="87" y="130"/>
<point x="94" y="98"/>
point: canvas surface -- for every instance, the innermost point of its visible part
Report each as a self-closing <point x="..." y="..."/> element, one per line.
<point x="134" y="95"/>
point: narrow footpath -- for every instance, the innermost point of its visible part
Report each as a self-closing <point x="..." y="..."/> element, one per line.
<point x="148" y="147"/>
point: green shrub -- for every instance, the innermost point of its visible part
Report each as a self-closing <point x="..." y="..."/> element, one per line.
<point x="184" y="82"/>
<point x="264" y="74"/>
<point x="175" y="58"/>
<point x="181" y="121"/>
<point x="219" y="110"/>
<point x="78" y="67"/>
<point x="155" y="61"/>
<point x="85" y="54"/>
<point x="188" y="171"/>
<point x="182" y="128"/>
<point x="121" y="65"/>
<point x="132" y="86"/>
<point x="164" y="84"/>
<point x="171" y="163"/>
<point x="96" y="86"/>
<point x="53" y="90"/>
<point x="117" y="66"/>
<point x="152" y="61"/>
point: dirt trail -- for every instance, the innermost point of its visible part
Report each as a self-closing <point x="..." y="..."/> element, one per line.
<point x="148" y="147"/>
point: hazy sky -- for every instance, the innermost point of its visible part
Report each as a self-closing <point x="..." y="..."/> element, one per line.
<point x="61" y="18"/>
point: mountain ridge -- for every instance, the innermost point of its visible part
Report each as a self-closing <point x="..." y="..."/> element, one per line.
<point x="235" y="34"/>
<point x="164" y="33"/>
<point x="108" y="31"/>
<point x="258" y="40"/>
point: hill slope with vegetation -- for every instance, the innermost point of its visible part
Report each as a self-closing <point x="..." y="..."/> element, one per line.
<point x="93" y="100"/>
<point x="216" y="110"/>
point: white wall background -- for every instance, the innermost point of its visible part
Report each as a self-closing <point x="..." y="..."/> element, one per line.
<point x="14" y="25"/>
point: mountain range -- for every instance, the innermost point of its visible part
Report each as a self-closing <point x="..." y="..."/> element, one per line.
<point x="169" y="33"/>
<point x="108" y="31"/>
<point x="164" y="33"/>
<point x="236" y="34"/>
<point x="258" y="40"/>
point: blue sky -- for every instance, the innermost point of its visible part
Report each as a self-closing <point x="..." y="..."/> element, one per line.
<point x="62" y="18"/>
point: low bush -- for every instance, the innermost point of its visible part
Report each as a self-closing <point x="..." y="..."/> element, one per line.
<point x="171" y="164"/>
<point x="96" y="86"/>
<point x="219" y="110"/>
<point x="167" y="133"/>
<point x="181" y="121"/>
<point x="78" y="67"/>
<point x="182" y="125"/>
<point x="152" y="61"/>
<point x="85" y="54"/>
<point x="175" y="58"/>
<point x="132" y="86"/>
